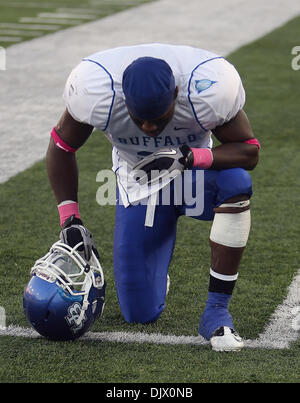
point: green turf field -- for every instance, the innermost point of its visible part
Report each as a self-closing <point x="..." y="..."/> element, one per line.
<point x="29" y="224"/>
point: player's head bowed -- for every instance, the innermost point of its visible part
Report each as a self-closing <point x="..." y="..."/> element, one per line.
<point x="149" y="87"/>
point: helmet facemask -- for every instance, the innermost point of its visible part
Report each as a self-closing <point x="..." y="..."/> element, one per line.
<point x="76" y="281"/>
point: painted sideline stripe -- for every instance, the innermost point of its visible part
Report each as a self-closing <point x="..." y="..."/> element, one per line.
<point x="116" y="337"/>
<point x="279" y="333"/>
<point x="151" y="338"/>
<point x="283" y="328"/>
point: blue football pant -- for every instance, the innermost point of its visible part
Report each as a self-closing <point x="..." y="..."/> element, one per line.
<point x="142" y="254"/>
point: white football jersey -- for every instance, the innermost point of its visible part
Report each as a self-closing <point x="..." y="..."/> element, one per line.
<point x="210" y="94"/>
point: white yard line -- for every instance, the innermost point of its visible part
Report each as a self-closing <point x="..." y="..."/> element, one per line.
<point x="118" y="337"/>
<point x="114" y="2"/>
<point x="10" y="39"/>
<point x="59" y="21"/>
<point x="29" y="26"/>
<point x="28" y="4"/>
<point x="279" y="333"/>
<point x="67" y="16"/>
<point x="283" y="328"/>
<point x="20" y="33"/>
<point x="93" y="11"/>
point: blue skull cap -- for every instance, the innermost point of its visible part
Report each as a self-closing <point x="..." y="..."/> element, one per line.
<point x="149" y="86"/>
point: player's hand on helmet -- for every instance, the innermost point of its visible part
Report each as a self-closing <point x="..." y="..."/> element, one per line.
<point x="162" y="163"/>
<point x="74" y="232"/>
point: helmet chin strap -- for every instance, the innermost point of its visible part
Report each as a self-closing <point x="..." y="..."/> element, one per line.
<point x="85" y="302"/>
<point x="85" y="305"/>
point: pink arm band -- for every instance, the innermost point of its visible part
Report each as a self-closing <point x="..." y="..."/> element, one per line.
<point x="60" y="143"/>
<point x="254" y="142"/>
<point x="203" y="157"/>
<point x="66" y="210"/>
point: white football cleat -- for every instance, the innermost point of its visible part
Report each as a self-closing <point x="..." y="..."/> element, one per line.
<point x="226" y="339"/>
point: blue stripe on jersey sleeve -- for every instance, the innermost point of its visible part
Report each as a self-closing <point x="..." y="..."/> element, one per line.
<point x="189" y="91"/>
<point x="112" y="88"/>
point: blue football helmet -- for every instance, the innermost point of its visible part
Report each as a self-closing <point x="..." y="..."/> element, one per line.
<point x="65" y="294"/>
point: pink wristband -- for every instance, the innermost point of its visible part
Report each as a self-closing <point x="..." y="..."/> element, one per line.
<point x="255" y="142"/>
<point x="60" y="143"/>
<point x="66" y="210"/>
<point x="203" y="157"/>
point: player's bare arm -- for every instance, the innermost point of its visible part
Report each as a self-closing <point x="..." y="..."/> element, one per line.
<point x="62" y="165"/>
<point x="234" y="152"/>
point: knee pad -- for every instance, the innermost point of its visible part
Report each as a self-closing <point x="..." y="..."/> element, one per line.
<point x="233" y="182"/>
<point x="231" y="224"/>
